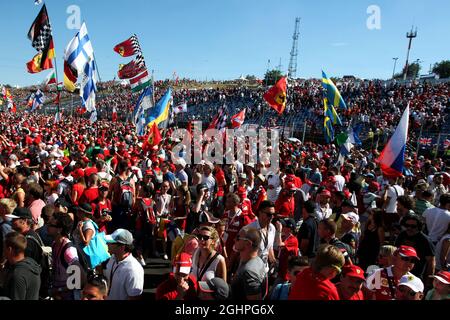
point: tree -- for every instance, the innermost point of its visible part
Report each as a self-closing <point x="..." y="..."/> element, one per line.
<point x="272" y="77"/>
<point x="413" y="71"/>
<point x="250" y="77"/>
<point x="442" y="69"/>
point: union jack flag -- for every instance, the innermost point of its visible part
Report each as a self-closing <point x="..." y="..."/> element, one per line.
<point x="425" y="141"/>
<point x="447" y="143"/>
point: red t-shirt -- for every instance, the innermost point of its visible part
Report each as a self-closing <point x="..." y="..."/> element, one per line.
<point x="313" y="286"/>
<point x="79" y="189"/>
<point x="168" y="289"/>
<point x="285" y="205"/>
<point x="90" y="195"/>
<point x="220" y="178"/>
<point x="98" y="208"/>
<point x="357" y="296"/>
<point x="290" y="249"/>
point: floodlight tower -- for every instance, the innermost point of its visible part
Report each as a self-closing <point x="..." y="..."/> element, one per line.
<point x="410" y="35"/>
<point x="294" y="51"/>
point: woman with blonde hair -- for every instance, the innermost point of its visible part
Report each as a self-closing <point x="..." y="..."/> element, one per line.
<point x="7" y="207"/>
<point x="207" y="263"/>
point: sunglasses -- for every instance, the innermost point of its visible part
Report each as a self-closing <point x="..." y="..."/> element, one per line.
<point x="407" y="259"/>
<point x="338" y="268"/>
<point x="203" y="237"/>
<point x="411" y="226"/>
<point x="405" y="290"/>
<point x="53" y="225"/>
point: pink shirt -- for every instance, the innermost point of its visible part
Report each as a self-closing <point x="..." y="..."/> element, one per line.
<point x="36" y="209"/>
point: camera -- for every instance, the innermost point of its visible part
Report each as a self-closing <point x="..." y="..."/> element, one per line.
<point x="106" y="212"/>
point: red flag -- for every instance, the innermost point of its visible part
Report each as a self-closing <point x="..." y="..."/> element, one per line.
<point x="276" y="96"/>
<point x="154" y="136"/>
<point x="238" y="119"/>
<point x="128" y="48"/>
<point x="130" y="70"/>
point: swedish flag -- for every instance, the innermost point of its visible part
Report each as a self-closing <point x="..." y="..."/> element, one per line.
<point x="328" y="129"/>
<point x="330" y="111"/>
<point x="160" y="113"/>
<point x="332" y="93"/>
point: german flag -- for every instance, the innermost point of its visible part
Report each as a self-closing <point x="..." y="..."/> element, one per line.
<point x="42" y="61"/>
<point x="70" y="77"/>
<point x="40" y="34"/>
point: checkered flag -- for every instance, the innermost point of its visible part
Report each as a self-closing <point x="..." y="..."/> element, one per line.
<point x="135" y="43"/>
<point x="40" y="32"/>
<point x="222" y="119"/>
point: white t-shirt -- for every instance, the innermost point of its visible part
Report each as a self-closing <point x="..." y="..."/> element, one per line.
<point x="125" y="278"/>
<point x="340" y="183"/>
<point x="438" y="252"/>
<point x="437" y="221"/>
<point x="274" y="180"/>
<point x="267" y="241"/>
<point x="86" y="226"/>
<point x="393" y="193"/>
<point x="210" y="183"/>
<point x="210" y="273"/>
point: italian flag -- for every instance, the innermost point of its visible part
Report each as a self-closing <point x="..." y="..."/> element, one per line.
<point x="51" y="78"/>
<point x="140" y="82"/>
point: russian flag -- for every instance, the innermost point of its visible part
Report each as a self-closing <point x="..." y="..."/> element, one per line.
<point x="392" y="158"/>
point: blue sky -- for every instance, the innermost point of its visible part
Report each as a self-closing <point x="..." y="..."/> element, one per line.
<point x="223" y="39"/>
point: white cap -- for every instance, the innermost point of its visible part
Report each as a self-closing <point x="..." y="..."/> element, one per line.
<point x="181" y="162"/>
<point x="412" y="282"/>
<point x="353" y="217"/>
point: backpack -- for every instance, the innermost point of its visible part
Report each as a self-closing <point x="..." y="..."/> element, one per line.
<point x="46" y="266"/>
<point x="126" y="194"/>
<point x="83" y="263"/>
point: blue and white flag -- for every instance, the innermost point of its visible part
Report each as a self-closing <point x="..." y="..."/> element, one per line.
<point x="93" y="117"/>
<point x="352" y="140"/>
<point x="144" y="103"/>
<point x="88" y="86"/>
<point x="38" y="100"/>
<point x="37" y="2"/>
<point x="79" y="50"/>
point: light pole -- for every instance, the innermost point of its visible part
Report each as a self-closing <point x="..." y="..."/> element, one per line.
<point x="395" y="64"/>
<point x="410" y="35"/>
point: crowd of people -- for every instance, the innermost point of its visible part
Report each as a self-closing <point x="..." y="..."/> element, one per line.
<point x="84" y="206"/>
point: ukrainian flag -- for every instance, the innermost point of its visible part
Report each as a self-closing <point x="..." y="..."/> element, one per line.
<point x="160" y="113"/>
<point x="332" y="93"/>
<point x="330" y="111"/>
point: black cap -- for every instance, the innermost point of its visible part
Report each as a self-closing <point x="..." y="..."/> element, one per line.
<point x="20" y="213"/>
<point x="62" y="202"/>
<point x="85" y="208"/>
<point x="288" y="222"/>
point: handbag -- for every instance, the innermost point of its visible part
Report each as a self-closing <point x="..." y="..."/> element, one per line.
<point x="97" y="250"/>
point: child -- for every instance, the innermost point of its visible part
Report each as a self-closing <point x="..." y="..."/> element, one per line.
<point x="441" y="287"/>
<point x="296" y="265"/>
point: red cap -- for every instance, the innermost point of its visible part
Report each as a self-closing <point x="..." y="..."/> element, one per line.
<point x="90" y="171"/>
<point x="60" y="168"/>
<point x="183" y="263"/>
<point x="325" y="193"/>
<point x="443" y="276"/>
<point x="374" y="185"/>
<point x="149" y="172"/>
<point x="407" y="251"/>
<point x="353" y="271"/>
<point x="78" y="173"/>
<point x="105" y="184"/>
<point x="101" y="156"/>
<point x="27" y="161"/>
